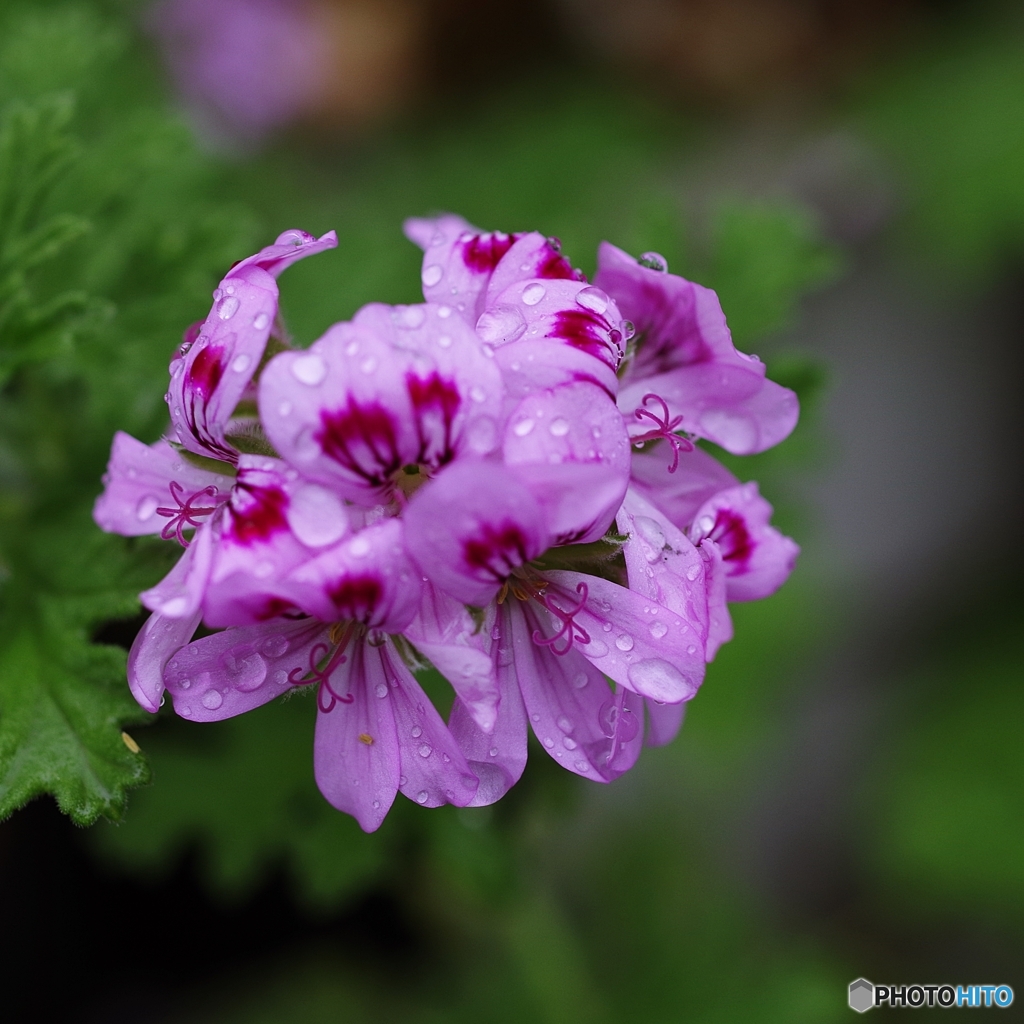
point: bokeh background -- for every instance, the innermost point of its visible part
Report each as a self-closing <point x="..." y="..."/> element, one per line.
<point x="846" y="797"/>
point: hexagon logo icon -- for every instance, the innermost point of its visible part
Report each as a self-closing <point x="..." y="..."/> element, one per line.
<point x="862" y="995"/>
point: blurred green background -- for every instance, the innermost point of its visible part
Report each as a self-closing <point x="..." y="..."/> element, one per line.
<point x="846" y="797"/>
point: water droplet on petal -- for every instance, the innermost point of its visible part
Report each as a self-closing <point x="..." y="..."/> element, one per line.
<point x="432" y="275"/>
<point x="274" y="646"/>
<point x="309" y="369"/>
<point x="421" y="796"/>
<point x="376" y="805"/>
<point x="548" y="742"/>
<point x="184" y="684"/>
<point x="559" y="427"/>
<point x="185" y="711"/>
<point x="693" y="572"/>
<point x="445" y="341"/>
<point x="595" y="649"/>
<point x="691" y="649"/>
<point x="284" y="409"/>
<point x="564" y="723"/>
<point x="368" y="365"/>
<point x="660" y="680"/>
<point x="241" y="363"/>
<point x="444" y="312"/>
<point x="411" y="317"/>
<point x="593" y="299"/>
<point x="501" y="324"/>
<point x="417" y="732"/>
<point x="628" y="329"/>
<point x="658" y="630"/>
<point x="425" y="750"/>
<point x="280" y="677"/>
<point x="260" y="321"/>
<point x="493" y="752"/>
<point x="145" y="508"/>
<point x="582" y="766"/>
<point x="212" y="700"/>
<point x="569" y="743"/>
<point x="381" y="690"/>
<point x="580" y="680"/>
<point x="624" y="642"/>
<point x="523" y="427"/>
<point x="477" y="393"/>
<point x="533" y="293"/>
<point x="654" y="261"/>
<point x="227" y="307"/>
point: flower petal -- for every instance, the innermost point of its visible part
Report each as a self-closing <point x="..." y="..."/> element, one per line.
<point x="228" y="673"/>
<point x="532" y="257"/>
<point x="698" y="477"/>
<point x="179" y="593"/>
<point x="623" y="636"/>
<point x="356" y="757"/>
<point x="154" y="645"/>
<point x="367" y="578"/>
<point x="580" y="722"/>
<point x="460" y="649"/>
<point x="569" y="445"/>
<point x="757" y="558"/>
<point x="663" y="722"/>
<point x="471" y="526"/>
<point x="138" y="484"/>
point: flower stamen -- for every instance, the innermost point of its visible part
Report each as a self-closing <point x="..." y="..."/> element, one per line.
<point x="186" y="514"/>
<point x="664" y="429"/>
<point x="570" y="629"/>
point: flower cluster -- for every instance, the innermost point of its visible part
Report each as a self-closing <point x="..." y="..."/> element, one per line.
<point x="501" y="482"/>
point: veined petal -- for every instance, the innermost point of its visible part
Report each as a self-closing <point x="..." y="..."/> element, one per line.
<point x="179" y="594"/>
<point x="212" y="370"/>
<point x="138" y="485"/>
<point x="154" y="645"/>
<point x="471" y="526"/>
<point x="569" y="445"/>
<point x="531" y="257"/>
<point x="569" y="313"/>
<point x="460" y="649"/>
<point x="662" y="563"/>
<point x="399" y="387"/>
<point x="367" y="578"/>
<point x="356" y="757"/>
<point x="632" y="639"/>
<point x="757" y="558"/>
<point x="531" y="364"/>
<point x="229" y="673"/>
<point x="434" y="770"/>
<point x="719" y="620"/>
<point x="580" y="722"/>
<point x="458" y="261"/>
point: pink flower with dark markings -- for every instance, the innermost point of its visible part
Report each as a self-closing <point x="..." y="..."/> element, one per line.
<point x="684" y="355"/>
<point x="501" y="482"/>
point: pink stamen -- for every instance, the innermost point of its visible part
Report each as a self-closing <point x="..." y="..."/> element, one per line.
<point x="664" y="429"/>
<point x="297" y="677"/>
<point x="186" y="514"/>
<point x="571" y="630"/>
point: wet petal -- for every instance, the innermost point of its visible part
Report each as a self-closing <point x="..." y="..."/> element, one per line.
<point x="356" y="756"/>
<point x="698" y="477"/>
<point x="154" y="645"/>
<point x="367" y="578"/>
<point x="531" y="257"/>
<point x="229" y="673"/>
<point x="632" y="639"/>
<point x="138" y="484"/>
<point x="580" y="722"/>
<point x="569" y="445"/>
<point x="719" y="620"/>
<point x="179" y="593"/>
<point x="757" y="558"/>
<point x="460" y="649"/>
<point x="471" y="526"/>
<point x="663" y="722"/>
<point x="532" y="364"/>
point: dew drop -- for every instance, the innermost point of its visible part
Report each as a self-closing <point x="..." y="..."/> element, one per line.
<point x="284" y="409"/>
<point x="421" y="796"/>
<point x="368" y="365"/>
<point x="582" y="766"/>
<point x="227" y="307"/>
<point x="432" y="275"/>
<point x="592" y="298"/>
<point x="628" y="329"/>
<point x="691" y="649"/>
<point x="274" y="646"/>
<point x="654" y="261"/>
<point x="658" y="679"/>
<point x="606" y="626"/>
<point x="184" y="711"/>
<point x="425" y="750"/>
<point x="376" y="805"/>
<point x="445" y="341"/>
<point x="569" y="743"/>
<point x="411" y="317"/>
<point x="693" y="572"/>
<point x="309" y="369"/>
<point x="241" y="363"/>
<point x="548" y="742"/>
<point x="280" y="677"/>
<point x="477" y="393"/>
<point x="184" y="684"/>
<point x="533" y="293"/>
<point x="493" y="752"/>
<point x="417" y="732"/>
<point x="501" y="324"/>
<point x="658" y="630"/>
<point x="624" y="642"/>
<point x="260" y="321"/>
<point x="564" y="723"/>
<point x="536" y="718"/>
<point x="596" y="649"/>
<point x="444" y="312"/>
<point x="212" y="700"/>
<point x="581" y="678"/>
<point x="559" y="427"/>
<point x="381" y="690"/>
<point x="522" y="428"/>
<point x="145" y="508"/>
